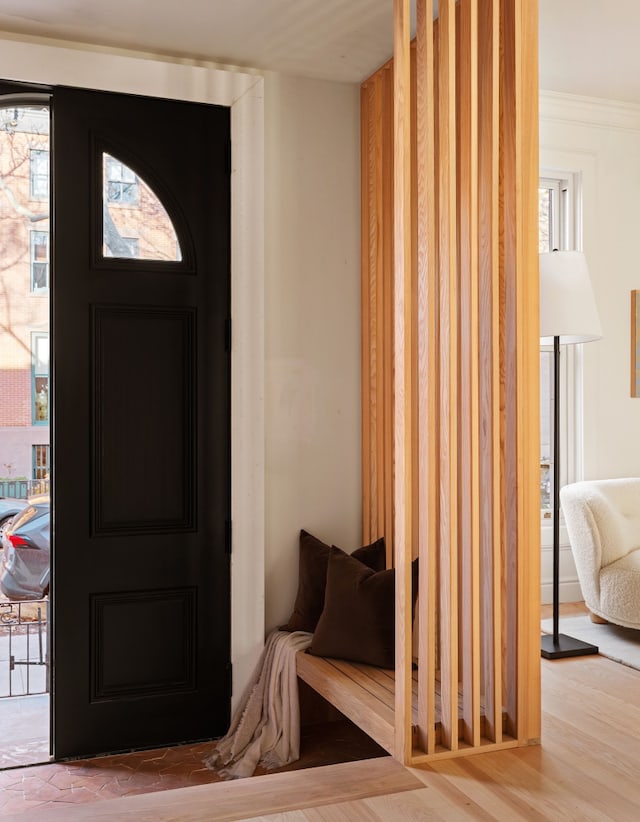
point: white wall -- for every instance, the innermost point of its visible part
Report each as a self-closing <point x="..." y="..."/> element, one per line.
<point x="312" y="324"/>
<point x="601" y="140"/>
<point x="295" y="302"/>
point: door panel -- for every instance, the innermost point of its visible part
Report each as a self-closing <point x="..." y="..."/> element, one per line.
<point x="141" y="425"/>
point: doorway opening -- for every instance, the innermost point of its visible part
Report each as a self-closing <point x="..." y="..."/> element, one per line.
<point x="24" y="430"/>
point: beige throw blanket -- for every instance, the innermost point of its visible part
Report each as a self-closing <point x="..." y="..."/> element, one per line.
<point x="265" y="728"/>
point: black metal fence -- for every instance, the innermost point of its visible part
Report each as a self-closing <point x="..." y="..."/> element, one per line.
<point x="24" y="649"/>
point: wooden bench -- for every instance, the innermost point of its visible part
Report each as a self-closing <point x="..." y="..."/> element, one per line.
<point x="364" y="694"/>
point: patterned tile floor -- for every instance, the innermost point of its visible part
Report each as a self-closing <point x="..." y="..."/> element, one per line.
<point x="24" y="730"/>
<point x="51" y="785"/>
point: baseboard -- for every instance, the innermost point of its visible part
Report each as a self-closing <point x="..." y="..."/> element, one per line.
<point x="569" y="592"/>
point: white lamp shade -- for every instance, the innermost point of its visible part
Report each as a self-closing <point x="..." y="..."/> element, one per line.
<point x="567" y="305"/>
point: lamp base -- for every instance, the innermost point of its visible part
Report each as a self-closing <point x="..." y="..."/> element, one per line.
<point x="565" y="646"/>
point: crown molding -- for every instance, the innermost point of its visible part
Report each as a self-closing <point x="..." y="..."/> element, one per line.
<point x="590" y="111"/>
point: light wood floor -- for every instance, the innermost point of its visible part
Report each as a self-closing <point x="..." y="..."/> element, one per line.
<point x="587" y="768"/>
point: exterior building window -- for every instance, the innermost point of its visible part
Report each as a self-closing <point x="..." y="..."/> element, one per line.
<point x="39" y="173"/>
<point x="40" y="378"/>
<point x="130" y="249"/>
<point x="121" y="183"/>
<point x="39" y="260"/>
<point x="40" y="459"/>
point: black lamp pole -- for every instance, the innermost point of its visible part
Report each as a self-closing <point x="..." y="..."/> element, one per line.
<point x="557" y="645"/>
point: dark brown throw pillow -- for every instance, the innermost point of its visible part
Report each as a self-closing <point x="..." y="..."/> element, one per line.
<point x="358" y="620"/>
<point x="312" y="578"/>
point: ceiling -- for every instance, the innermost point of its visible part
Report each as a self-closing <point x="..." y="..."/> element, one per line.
<point x="592" y="48"/>
<point x="586" y="46"/>
<point x="342" y="40"/>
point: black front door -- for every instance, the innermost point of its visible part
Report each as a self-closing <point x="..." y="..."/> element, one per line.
<point x="141" y="421"/>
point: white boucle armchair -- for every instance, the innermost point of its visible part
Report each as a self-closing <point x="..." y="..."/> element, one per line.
<point x="603" y="523"/>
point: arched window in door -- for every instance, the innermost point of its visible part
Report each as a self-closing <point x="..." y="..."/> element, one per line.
<point x="135" y="224"/>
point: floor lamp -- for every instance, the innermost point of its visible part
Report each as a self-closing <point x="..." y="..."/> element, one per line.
<point x="568" y="315"/>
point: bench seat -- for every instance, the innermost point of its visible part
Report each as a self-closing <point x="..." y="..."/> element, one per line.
<point x="363" y="693"/>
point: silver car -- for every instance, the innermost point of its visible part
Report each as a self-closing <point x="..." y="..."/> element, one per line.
<point x="26" y="552"/>
<point x="9" y="508"/>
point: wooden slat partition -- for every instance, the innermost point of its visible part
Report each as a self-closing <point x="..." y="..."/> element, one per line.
<point x="450" y="377"/>
<point x="377" y="308"/>
<point x="427" y="369"/>
<point x="403" y="372"/>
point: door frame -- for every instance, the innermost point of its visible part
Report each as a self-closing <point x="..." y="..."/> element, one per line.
<point x="31" y="62"/>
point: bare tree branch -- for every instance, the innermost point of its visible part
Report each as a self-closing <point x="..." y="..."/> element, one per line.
<point x="32" y="216"/>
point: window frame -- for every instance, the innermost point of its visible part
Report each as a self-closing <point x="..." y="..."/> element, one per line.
<point x="36" y="466"/>
<point x="34" y="193"/>
<point x="109" y="182"/>
<point x="38" y="373"/>
<point x="33" y="261"/>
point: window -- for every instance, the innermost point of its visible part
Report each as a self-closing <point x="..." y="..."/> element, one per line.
<point x="129" y="248"/>
<point x="558" y="225"/>
<point x="121" y="183"/>
<point x="40" y="378"/>
<point x="143" y="230"/>
<point x="39" y="174"/>
<point x="40" y="461"/>
<point x="39" y="260"/>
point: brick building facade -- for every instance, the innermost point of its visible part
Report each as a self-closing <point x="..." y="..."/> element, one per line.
<point x="24" y="293"/>
<point x="135" y="226"/>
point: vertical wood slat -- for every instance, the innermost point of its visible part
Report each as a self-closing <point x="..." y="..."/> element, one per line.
<point x="528" y="334"/>
<point x="388" y="332"/>
<point x="518" y="176"/>
<point x="376" y="306"/>
<point x="489" y="377"/>
<point x="509" y="273"/>
<point x="465" y="363"/>
<point x="447" y="252"/>
<point x="427" y="422"/>
<point x="367" y="237"/>
<point x="467" y="130"/>
<point x="377" y="520"/>
<point x="403" y="371"/>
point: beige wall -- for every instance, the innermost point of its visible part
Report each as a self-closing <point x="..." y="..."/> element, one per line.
<point x="312" y="324"/>
<point x="600" y="140"/>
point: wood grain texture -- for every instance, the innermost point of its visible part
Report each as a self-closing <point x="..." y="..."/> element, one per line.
<point x="247" y="798"/>
<point x="453" y="366"/>
<point x="489" y="361"/>
<point x="403" y="371"/>
<point x="467" y="133"/>
<point x="427" y="382"/>
<point x="376" y="135"/>
<point x="387" y="330"/>
<point x="528" y="326"/>
<point x="586" y="769"/>
<point x="367" y="236"/>
<point x="363" y="706"/>
<point x="448" y="371"/>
